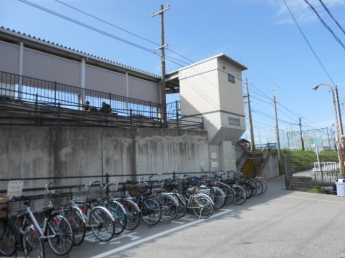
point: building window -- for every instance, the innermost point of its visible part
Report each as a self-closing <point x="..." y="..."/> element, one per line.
<point x="231" y="78"/>
<point x="234" y="121"/>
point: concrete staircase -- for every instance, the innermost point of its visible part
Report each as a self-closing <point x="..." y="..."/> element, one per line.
<point x="250" y="167"/>
<point x="301" y="183"/>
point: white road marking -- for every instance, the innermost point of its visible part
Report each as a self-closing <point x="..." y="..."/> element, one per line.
<point x="124" y="247"/>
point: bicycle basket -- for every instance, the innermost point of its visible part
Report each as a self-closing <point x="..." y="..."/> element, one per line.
<point x="95" y="192"/>
<point x="37" y="205"/>
<point x="79" y="193"/>
<point x="16" y="207"/>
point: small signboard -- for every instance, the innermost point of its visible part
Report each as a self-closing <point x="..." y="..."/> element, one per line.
<point x="15" y="188"/>
<point x="115" y="181"/>
<point x="214" y="164"/>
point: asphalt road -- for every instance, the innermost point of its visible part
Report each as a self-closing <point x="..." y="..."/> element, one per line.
<point x="279" y="223"/>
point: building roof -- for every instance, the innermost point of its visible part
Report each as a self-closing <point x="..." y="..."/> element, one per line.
<point x="173" y="77"/>
<point x="55" y="48"/>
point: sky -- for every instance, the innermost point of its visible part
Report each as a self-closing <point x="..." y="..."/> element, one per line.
<point x="261" y="34"/>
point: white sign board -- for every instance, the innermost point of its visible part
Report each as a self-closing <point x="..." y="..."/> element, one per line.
<point x="115" y="181"/>
<point x="15" y="188"/>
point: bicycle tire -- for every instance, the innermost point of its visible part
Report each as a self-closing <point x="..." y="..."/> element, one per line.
<point x="264" y="185"/>
<point x="102" y="224"/>
<point x="150" y="211"/>
<point x="253" y="185"/>
<point x="32" y="243"/>
<point x="182" y="206"/>
<point x="119" y="215"/>
<point x="218" y="197"/>
<point x="229" y="195"/>
<point x="240" y="195"/>
<point x="8" y="242"/>
<point x="169" y="207"/>
<point x="133" y="215"/>
<point x="202" y="207"/>
<point x="60" y="227"/>
<point x="248" y="188"/>
<point x="79" y="228"/>
<point x="259" y="187"/>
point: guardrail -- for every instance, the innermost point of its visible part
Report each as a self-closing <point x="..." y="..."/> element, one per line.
<point x="59" y="104"/>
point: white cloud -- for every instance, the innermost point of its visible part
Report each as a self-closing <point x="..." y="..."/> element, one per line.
<point x="301" y="10"/>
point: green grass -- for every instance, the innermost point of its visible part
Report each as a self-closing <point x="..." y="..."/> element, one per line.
<point x="304" y="160"/>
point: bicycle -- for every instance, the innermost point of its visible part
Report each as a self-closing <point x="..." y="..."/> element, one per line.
<point x="150" y="210"/>
<point x="116" y="209"/>
<point x="98" y="218"/>
<point x="74" y="214"/>
<point x="169" y="205"/>
<point x="13" y="235"/>
<point x="56" y="229"/>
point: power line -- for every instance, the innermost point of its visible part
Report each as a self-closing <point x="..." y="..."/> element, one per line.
<point x="95" y="29"/>
<point x="122" y="29"/>
<point x="330" y="14"/>
<point x="325" y="24"/>
<point x="311" y="48"/>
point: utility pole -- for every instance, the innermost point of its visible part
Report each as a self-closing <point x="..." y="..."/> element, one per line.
<point x="250" y="118"/>
<point x="277" y="127"/>
<point x="162" y="48"/>
<point x="339" y="112"/>
<point x="300" y="129"/>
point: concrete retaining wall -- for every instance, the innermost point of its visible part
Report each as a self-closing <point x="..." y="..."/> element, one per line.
<point x="27" y="152"/>
<point x="271" y="167"/>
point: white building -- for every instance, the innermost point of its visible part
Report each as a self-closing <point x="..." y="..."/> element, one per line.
<point x="212" y="88"/>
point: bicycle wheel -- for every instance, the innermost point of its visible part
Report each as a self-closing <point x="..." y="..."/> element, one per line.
<point x="202" y="207"/>
<point x="229" y="195"/>
<point x="32" y="243"/>
<point x="253" y="185"/>
<point x="119" y="215"/>
<point x="260" y="188"/>
<point x="264" y="185"/>
<point x="169" y="207"/>
<point x="75" y="217"/>
<point x="240" y="195"/>
<point x="102" y="224"/>
<point x="182" y="205"/>
<point x="218" y="198"/>
<point x="248" y="188"/>
<point x="133" y="215"/>
<point x="61" y="235"/>
<point x="8" y="243"/>
<point x="150" y="211"/>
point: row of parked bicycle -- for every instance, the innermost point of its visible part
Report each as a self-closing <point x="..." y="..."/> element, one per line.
<point x="95" y="207"/>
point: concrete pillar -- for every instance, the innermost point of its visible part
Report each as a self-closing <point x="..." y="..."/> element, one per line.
<point x="227" y="156"/>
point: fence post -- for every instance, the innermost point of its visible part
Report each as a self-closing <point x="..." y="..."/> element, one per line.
<point x="150" y="109"/>
<point x="176" y="106"/>
<point x="59" y="114"/>
<point x="106" y="182"/>
<point x="55" y="93"/>
<point x="36" y="110"/>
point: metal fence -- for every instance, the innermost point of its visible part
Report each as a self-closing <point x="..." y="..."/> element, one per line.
<point x="68" y="182"/>
<point x="107" y="108"/>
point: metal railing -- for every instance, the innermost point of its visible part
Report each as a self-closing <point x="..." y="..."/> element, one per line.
<point x="106" y="108"/>
<point x="65" y="183"/>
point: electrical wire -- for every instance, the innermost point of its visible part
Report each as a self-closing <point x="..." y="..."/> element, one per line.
<point x="311" y="48"/>
<point x="325" y="24"/>
<point x="122" y="29"/>
<point x="96" y="30"/>
<point x="330" y="14"/>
